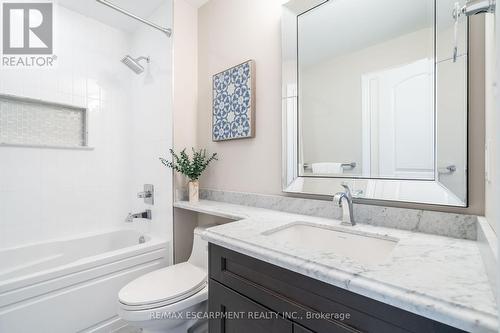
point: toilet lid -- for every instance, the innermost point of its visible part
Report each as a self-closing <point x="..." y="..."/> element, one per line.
<point x="164" y="286"/>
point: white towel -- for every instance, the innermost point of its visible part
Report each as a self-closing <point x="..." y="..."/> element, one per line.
<point x="327" y="168"/>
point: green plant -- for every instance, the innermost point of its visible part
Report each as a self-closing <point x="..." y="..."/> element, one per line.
<point x="190" y="167"/>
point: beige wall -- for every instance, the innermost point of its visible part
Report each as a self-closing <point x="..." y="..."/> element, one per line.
<point x="185" y="100"/>
<point x="185" y="75"/>
<point x="232" y="31"/>
<point x="185" y="72"/>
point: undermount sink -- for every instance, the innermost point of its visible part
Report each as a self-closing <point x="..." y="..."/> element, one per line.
<point x="363" y="248"/>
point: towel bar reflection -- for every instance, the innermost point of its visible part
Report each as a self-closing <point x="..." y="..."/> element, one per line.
<point x="350" y="166"/>
<point x="448" y="170"/>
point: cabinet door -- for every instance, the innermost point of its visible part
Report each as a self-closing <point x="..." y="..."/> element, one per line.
<point x="285" y="291"/>
<point x="234" y="313"/>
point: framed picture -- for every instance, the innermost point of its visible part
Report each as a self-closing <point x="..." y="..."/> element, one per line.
<point x="233" y="103"/>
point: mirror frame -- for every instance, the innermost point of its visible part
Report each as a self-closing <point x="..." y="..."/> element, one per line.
<point x="292" y="182"/>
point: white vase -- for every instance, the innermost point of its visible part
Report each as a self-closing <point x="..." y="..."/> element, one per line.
<point x="194" y="193"/>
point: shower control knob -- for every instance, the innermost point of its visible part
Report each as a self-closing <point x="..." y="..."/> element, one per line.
<point x="147" y="194"/>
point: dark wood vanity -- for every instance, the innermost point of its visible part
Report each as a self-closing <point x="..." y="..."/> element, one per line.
<point x="252" y="296"/>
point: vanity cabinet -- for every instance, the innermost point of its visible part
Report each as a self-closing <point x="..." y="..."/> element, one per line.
<point x="249" y="295"/>
<point x="230" y="302"/>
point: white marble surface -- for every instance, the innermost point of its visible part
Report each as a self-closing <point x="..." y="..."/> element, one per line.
<point x="431" y="222"/>
<point x="488" y="247"/>
<point x="437" y="277"/>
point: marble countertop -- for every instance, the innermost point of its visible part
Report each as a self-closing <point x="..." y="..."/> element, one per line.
<point x="437" y="277"/>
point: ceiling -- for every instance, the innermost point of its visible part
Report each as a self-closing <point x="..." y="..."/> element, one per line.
<point x="343" y="26"/>
<point x="102" y="13"/>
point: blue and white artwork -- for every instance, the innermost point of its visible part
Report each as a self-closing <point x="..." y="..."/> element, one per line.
<point x="233" y="103"/>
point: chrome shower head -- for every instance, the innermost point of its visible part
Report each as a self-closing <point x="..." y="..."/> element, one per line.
<point x="134" y="64"/>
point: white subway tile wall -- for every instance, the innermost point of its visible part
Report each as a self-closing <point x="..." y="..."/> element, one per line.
<point x="50" y="193"/>
<point x="25" y="122"/>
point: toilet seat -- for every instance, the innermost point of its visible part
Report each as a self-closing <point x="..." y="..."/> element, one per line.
<point x="163" y="287"/>
<point x="141" y="318"/>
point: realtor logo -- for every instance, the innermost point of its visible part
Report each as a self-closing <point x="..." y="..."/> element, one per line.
<point x="27" y="28"/>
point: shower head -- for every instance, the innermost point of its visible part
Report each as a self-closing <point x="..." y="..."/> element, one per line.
<point x="134" y="64"/>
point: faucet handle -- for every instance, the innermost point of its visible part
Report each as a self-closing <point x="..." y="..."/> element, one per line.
<point x="147" y="194"/>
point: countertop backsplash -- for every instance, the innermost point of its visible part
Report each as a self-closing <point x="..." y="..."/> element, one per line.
<point x="437" y="223"/>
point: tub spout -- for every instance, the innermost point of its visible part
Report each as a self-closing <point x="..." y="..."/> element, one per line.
<point x="144" y="215"/>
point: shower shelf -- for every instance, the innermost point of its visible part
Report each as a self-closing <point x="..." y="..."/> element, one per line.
<point x="35" y="123"/>
<point x="13" y="145"/>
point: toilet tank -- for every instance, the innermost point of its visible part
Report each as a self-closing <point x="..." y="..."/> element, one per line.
<point x="199" y="252"/>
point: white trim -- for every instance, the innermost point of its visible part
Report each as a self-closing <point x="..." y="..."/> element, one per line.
<point x="366" y="119"/>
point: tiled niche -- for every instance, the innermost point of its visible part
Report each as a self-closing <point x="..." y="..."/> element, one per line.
<point x="36" y="123"/>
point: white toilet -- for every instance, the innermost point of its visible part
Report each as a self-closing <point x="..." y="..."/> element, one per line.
<point x="165" y="300"/>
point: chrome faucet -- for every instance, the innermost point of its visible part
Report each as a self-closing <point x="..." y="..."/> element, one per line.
<point x="144" y="215"/>
<point x="148" y="194"/>
<point x="344" y="200"/>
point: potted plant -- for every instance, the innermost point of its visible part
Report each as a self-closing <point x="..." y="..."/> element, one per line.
<point x="191" y="167"/>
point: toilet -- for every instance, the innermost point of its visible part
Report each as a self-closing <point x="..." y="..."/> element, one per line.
<point x="166" y="299"/>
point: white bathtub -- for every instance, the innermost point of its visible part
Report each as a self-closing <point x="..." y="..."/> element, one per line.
<point x="71" y="285"/>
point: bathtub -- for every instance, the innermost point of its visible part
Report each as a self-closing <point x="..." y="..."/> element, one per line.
<point x="71" y="285"/>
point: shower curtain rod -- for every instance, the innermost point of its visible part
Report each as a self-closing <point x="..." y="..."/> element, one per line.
<point x="167" y="31"/>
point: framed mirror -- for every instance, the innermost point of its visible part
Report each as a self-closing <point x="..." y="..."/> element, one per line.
<point x="375" y="100"/>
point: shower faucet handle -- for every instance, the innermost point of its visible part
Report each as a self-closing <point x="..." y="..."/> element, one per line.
<point x="145" y="194"/>
<point x="148" y="194"/>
